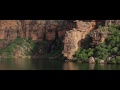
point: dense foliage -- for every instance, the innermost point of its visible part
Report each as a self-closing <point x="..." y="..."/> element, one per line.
<point x="27" y="47"/>
<point x="110" y="48"/>
<point x="19" y="44"/>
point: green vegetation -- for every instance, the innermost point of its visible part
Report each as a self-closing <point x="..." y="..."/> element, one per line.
<point x="57" y="49"/>
<point x="19" y="44"/>
<point x="84" y="54"/>
<point x="111" y="47"/>
<point x="25" y="46"/>
<point x="21" y="47"/>
<point x="55" y="53"/>
<point x="118" y="59"/>
<point x="112" y="61"/>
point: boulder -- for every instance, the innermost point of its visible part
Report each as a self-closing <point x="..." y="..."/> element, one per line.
<point x="91" y="60"/>
<point x="109" y="59"/>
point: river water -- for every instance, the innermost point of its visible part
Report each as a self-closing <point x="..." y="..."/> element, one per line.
<point x="40" y="64"/>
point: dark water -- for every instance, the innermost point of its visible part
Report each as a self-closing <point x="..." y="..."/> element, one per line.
<point x="40" y="64"/>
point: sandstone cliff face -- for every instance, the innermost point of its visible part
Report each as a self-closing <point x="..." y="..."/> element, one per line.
<point x="74" y="32"/>
<point x="74" y="37"/>
<point x="36" y="29"/>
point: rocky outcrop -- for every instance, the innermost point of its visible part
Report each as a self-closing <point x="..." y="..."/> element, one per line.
<point x="75" y="36"/>
<point x="98" y="36"/>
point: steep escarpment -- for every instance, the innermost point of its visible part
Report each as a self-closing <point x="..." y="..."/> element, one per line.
<point x="35" y="29"/>
<point x="56" y="37"/>
<point x="49" y="32"/>
<point x="86" y="34"/>
<point x="101" y="45"/>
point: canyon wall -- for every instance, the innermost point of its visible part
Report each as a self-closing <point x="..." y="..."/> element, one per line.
<point x="35" y="29"/>
<point x="72" y="31"/>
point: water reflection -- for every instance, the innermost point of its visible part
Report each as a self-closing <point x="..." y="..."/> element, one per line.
<point x="70" y="66"/>
<point x="102" y="66"/>
<point x="15" y="64"/>
<point x="42" y="64"/>
<point x="91" y="66"/>
<point x="24" y="64"/>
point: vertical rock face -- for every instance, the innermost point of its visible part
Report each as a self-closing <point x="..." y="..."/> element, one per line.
<point x="74" y="37"/>
<point x="70" y="43"/>
<point x="74" y="32"/>
<point x="35" y="29"/>
<point x="8" y="31"/>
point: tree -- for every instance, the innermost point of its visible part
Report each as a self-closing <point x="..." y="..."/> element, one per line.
<point x="114" y="50"/>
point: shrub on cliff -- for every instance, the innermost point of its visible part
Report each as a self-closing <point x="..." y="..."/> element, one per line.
<point x="19" y="46"/>
<point x="82" y="54"/>
<point x="104" y="50"/>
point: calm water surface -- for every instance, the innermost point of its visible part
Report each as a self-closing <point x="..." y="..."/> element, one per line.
<point x="40" y="64"/>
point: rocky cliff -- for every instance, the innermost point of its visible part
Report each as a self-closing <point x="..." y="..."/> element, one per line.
<point x="54" y="31"/>
<point x="75" y="36"/>
<point x="35" y="29"/>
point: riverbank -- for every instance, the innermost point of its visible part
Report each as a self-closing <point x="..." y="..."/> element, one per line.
<point x="93" y="60"/>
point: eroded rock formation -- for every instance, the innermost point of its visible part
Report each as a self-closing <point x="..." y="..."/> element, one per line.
<point x="74" y="32"/>
<point x="74" y="37"/>
<point x="35" y="29"/>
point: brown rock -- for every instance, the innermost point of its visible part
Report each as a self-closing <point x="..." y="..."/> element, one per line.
<point x="74" y="37"/>
<point x="36" y="29"/>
